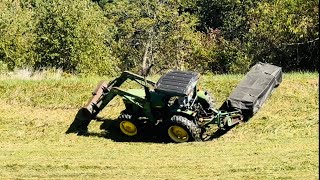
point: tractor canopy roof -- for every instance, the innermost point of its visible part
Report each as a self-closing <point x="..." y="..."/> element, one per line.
<point x="177" y="83"/>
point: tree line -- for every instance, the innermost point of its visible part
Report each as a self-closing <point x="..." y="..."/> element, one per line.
<point x="106" y="37"/>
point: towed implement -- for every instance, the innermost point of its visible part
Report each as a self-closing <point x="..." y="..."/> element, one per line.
<point x="176" y="105"/>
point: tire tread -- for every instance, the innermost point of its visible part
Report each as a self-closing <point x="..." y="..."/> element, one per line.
<point x="189" y="125"/>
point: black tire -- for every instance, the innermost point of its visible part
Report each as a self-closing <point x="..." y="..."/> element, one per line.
<point x="132" y="128"/>
<point x="189" y="126"/>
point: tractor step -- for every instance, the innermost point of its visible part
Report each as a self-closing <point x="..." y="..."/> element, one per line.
<point x="254" y="89"/>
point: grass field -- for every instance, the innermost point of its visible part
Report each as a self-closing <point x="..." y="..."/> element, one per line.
<point x="280" y="142"/>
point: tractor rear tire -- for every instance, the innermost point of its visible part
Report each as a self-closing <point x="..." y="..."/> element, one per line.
<point x="128" y="125"/>
<point x="180" y="129"/>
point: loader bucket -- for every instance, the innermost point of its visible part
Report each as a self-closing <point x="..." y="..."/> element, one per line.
<point x="87" y="112"/>
<point x="80" y="122"/>
<point x="251" y="93"/>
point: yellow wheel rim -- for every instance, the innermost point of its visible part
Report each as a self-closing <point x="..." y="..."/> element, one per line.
<point x="178" y="134"/>
<point x="128" y="128"/>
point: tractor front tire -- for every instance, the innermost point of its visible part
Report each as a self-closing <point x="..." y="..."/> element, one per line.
<point x="180" y="129"/>
<point x="128" y="125"/>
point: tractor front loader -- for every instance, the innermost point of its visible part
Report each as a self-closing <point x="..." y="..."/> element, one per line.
<point x="177" y="105"/>
<point x="103" y="94"/>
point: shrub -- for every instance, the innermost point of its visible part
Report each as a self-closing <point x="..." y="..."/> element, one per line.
<point x="72" y="35"/>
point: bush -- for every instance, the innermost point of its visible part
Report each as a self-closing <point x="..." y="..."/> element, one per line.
<point x="71" y="34"/>
<point x="17" y="37"/>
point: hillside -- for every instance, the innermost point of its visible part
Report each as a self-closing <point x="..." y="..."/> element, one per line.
<point x="279" y="142"/>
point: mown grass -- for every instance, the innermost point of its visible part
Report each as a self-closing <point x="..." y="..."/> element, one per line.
<point x="279" y="142"/>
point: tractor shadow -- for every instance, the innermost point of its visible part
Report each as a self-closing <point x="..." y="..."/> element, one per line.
<point x="110" y="130"/>
<point x="150" y="134"/>
<point x="221" y="132"/>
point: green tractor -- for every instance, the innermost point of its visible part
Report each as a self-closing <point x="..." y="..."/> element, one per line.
<point x="177" y="105"/>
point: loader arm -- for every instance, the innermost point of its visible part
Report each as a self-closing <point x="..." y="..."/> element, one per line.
<point x="131" y="76"/>
<point x="102" y="95"/>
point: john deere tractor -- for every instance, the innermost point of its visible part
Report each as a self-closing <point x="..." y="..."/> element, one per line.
<point x="177" y="105"/>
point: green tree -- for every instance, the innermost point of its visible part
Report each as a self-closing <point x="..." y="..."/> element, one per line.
<point x="285" y="33"/>
<point x="74" y="36"/>
<point x="280" y="32"/>
<point x="152" y="32"/>
<point x="224" y="24"/>
<point x="17" y="36"/>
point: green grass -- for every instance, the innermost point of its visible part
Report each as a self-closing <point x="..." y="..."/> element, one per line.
<point x="279" y="142"/>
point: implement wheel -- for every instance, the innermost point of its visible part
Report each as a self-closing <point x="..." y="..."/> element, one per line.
<point x="181" y="129"/>
<point x="127" y="125"/>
